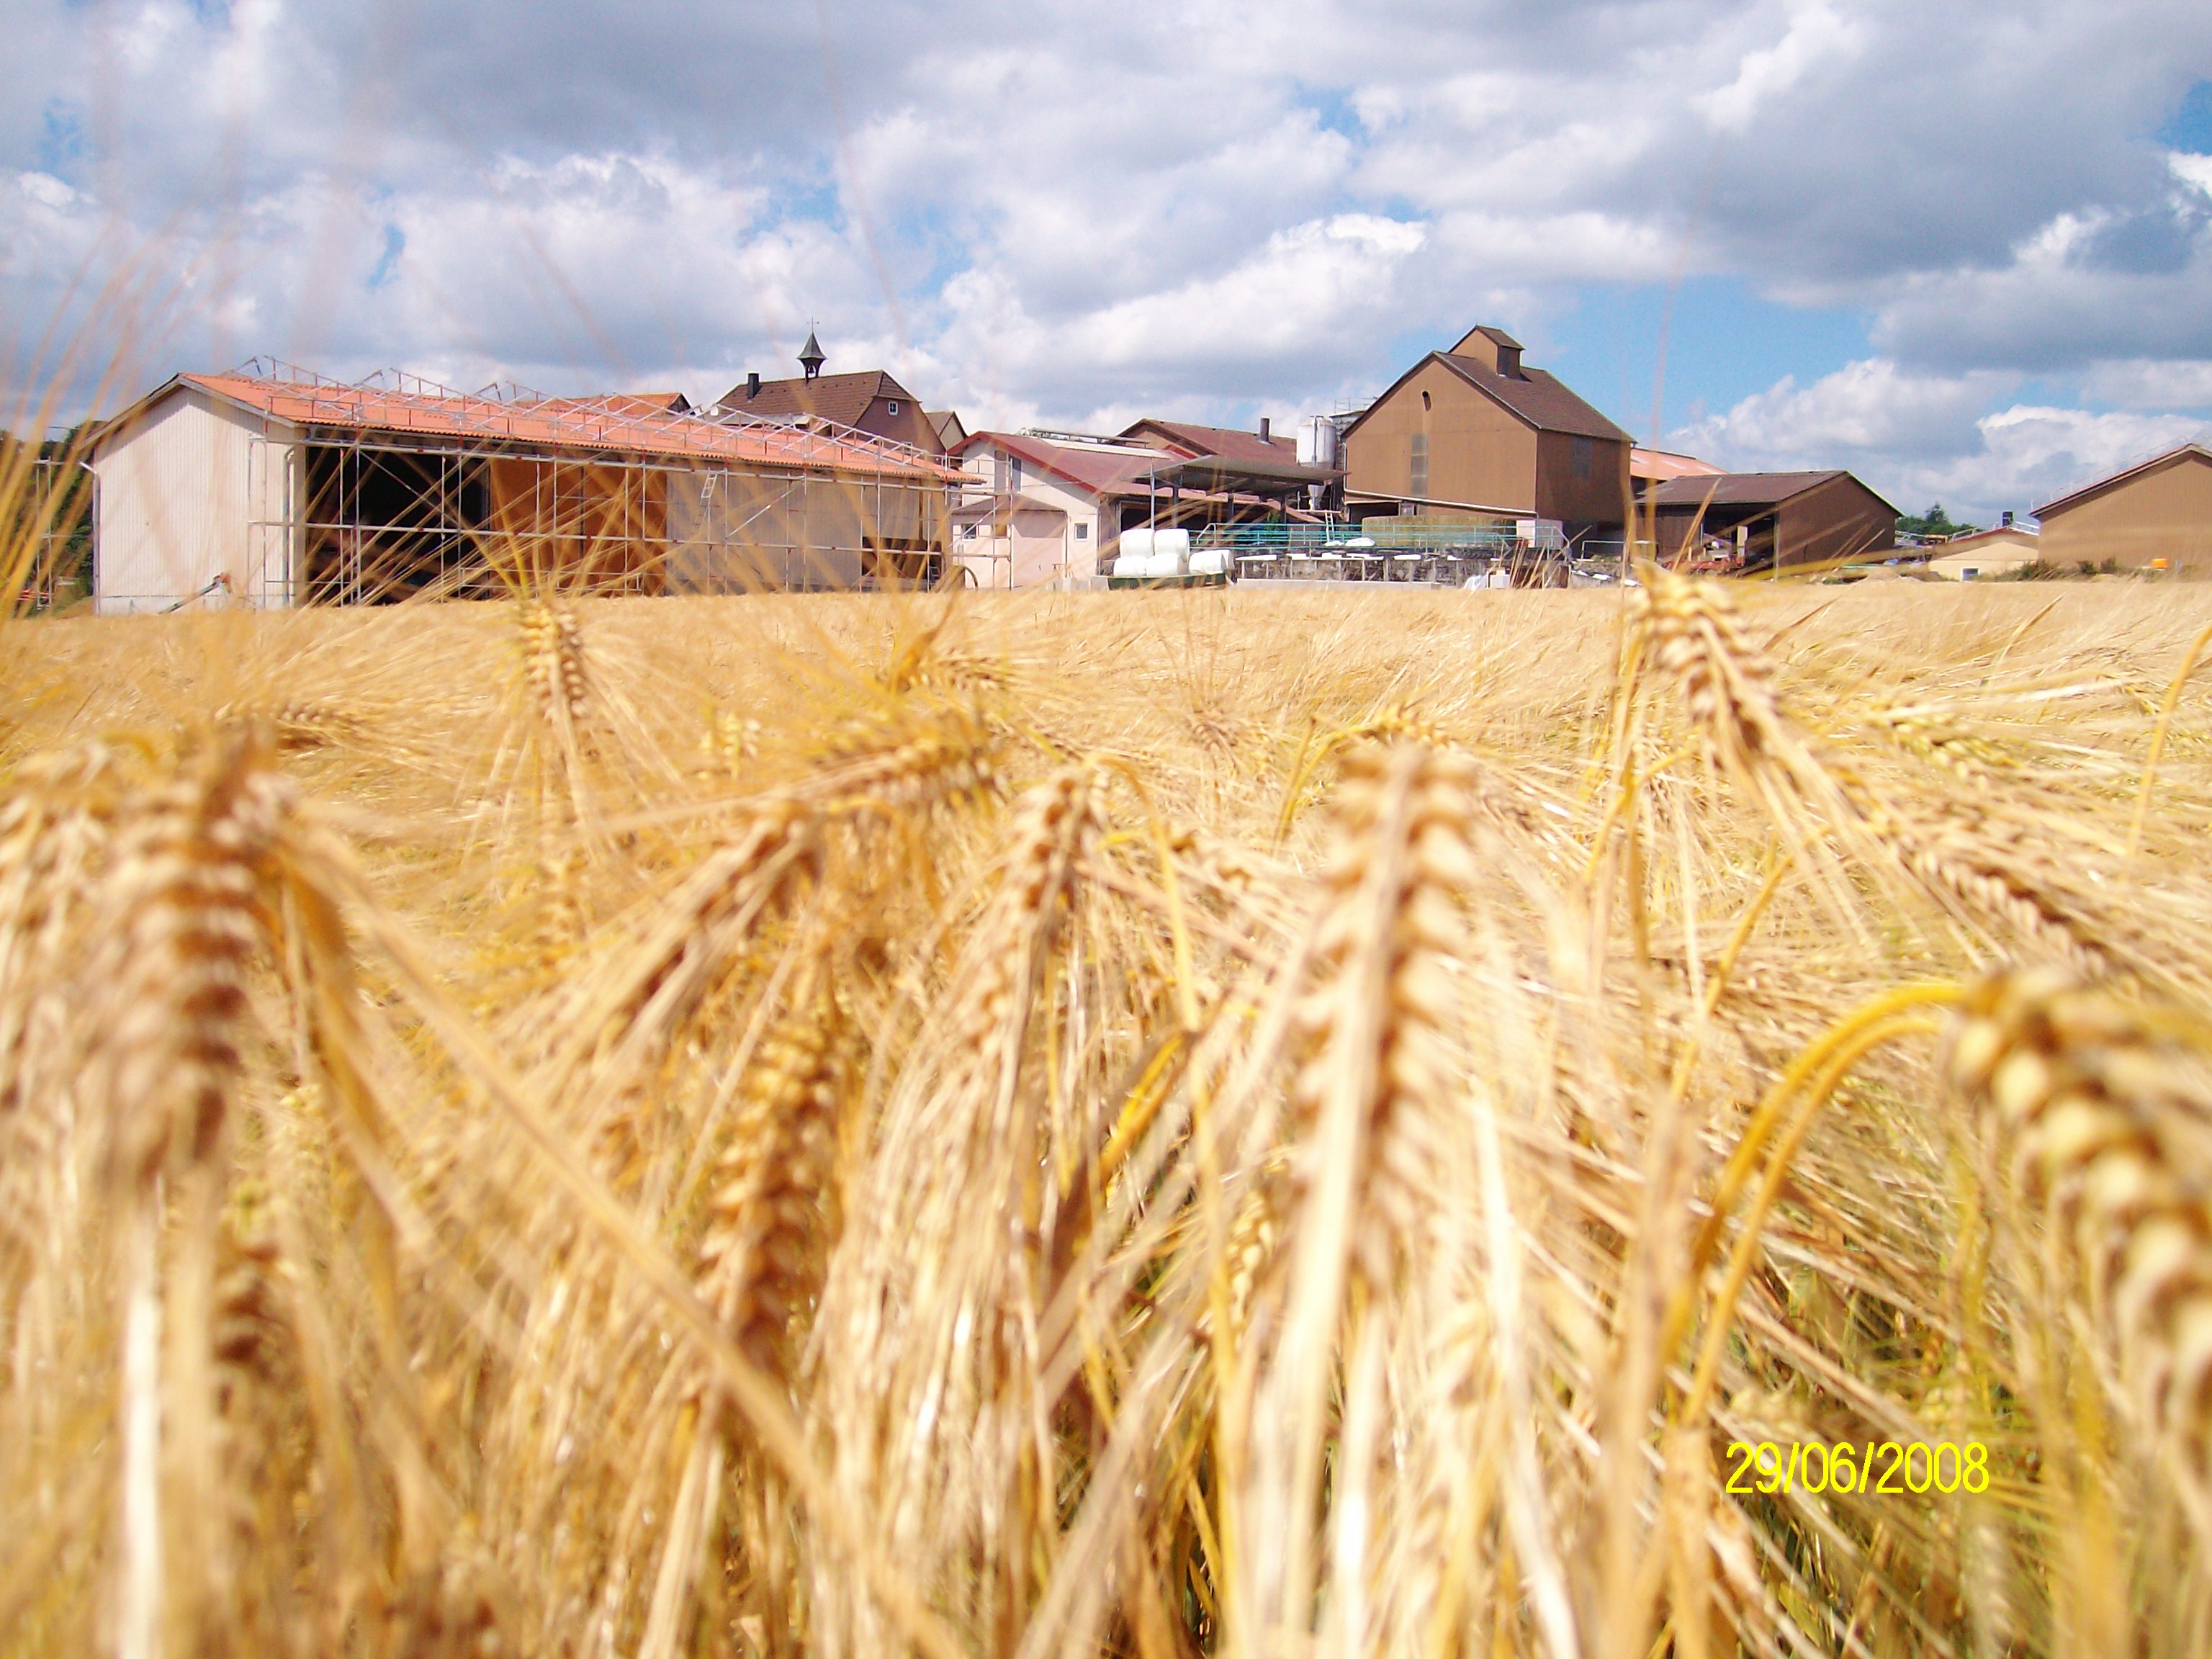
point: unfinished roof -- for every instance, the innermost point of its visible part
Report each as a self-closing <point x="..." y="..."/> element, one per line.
<point x="2193" y="448"/>
<point x="843" y="398"/>
<point x="622" y="403"/>
<point x="1666" y="463"/>
<point x="1739" y="489"/>
<point x="1227" y="442"/>
<point x="391" y="401"/>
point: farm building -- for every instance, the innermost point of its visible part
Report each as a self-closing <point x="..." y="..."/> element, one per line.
<point x="1049" y="507"/>
<point x="2155" y="515"/>
<point x="870" y="401"/>
<point x="1473" y="429"/>
<point x="1980" y="554"/>
<point x="272" y="487"/>
<point x="1649" y="466"/>
<point x="1751" y="521"/>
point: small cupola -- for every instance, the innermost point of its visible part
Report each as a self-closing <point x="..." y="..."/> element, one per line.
<point x="1494" y="348"/>
<point x="812" y="355"/>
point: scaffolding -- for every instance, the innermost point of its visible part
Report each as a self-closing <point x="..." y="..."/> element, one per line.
<point x="54" y="518"/>
<point x="396" y="487"/>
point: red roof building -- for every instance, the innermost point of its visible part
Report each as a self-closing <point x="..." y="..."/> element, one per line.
<point x="272" y="487"/>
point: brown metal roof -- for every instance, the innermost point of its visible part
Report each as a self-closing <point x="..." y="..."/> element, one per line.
<point x="1537" y="397"/>
<point x="1227" y="442"/>
<point x="843" y="398"/>
<point x="1738" y="489"/>
<point x="404" y="404"/>
<point x="2074" y="498"/>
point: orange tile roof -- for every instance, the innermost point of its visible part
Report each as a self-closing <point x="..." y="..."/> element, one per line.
<point x="395" y="403"/>
<point x="1668" y="464"/>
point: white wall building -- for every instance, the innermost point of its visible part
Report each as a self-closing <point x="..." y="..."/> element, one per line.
<point x="196" y="500"/>
<point x="1038" y="514"/>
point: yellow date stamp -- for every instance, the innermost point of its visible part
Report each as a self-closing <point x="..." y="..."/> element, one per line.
<point x="1885" y="1465"/>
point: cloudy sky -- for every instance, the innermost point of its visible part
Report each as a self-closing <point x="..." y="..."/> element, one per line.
<point x="1963" y="248"/>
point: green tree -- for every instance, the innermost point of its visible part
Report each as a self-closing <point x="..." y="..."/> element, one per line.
<point x="1934" y="522"/>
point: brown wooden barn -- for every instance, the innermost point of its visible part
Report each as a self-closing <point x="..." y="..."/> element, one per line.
<point x="1753" y="521"/>
<point x="1475" y="429"/>
<point x="2157" y="514"/>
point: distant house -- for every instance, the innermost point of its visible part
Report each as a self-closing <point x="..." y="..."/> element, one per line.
<point x="1981" y="555"/>
<point x="1768" y="521"/>
<point x="1045" y="509"/>
<point x="1473" y="428"/>
<point x="870" y="401"/>
<point x="2156" y="515"/>
<point x="951" y="431"/>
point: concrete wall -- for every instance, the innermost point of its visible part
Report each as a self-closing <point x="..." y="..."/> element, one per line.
<point x="1479" y="453"/>
<point x="192" y="490"/>
<point x="2165" y="513"/>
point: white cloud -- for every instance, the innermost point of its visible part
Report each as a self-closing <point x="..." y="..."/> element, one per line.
<point x="2140" y="383"/>
<point x="1923" y="438"/>
<point x="1817" y="38"/>
<point x="1060" y="209"/>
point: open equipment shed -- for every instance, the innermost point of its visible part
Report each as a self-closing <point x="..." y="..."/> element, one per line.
<point x="273" y="487"/>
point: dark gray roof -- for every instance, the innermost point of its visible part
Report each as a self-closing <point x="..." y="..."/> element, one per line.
<point x="1538" y="398"/>
<point x="1738" y="489"/>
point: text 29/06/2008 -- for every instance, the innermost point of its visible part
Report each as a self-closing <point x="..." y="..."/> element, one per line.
<point x="1885" y="1465"/>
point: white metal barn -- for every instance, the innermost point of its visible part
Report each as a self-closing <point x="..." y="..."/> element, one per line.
<point x="270" y="487"/>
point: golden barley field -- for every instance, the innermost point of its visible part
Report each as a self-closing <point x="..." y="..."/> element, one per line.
<point x="1674" y="1122"/>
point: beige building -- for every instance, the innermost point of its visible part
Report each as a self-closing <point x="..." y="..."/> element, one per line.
<point x="2156" y="515"/>
<point x="1473" y="428"/>
<point x="1985" y="554"/>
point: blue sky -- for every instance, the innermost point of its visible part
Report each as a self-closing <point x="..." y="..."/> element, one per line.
<point x="1867" y="233"/>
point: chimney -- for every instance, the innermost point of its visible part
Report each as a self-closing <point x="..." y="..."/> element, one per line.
<point x="1264" y="438"/>
<point x="753" y="384"/>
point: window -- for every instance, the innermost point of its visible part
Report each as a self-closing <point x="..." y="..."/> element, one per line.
<point x="1015" y="466"/>
<point x="1969" y="574"/>
<point x="1424" y="403"/>
<point x="1419" y="482"/>
<point x="894" y="405"/>
<point x="1083" y="532"/>
<point x="1583" y="457"/>
<point x="966" y="532"/>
